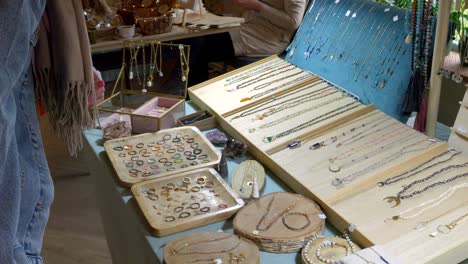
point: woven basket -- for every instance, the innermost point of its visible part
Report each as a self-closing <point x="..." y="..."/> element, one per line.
<point x="151" y="24"/>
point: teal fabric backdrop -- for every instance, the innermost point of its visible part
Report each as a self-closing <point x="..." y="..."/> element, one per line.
<point x="359" y="46"/>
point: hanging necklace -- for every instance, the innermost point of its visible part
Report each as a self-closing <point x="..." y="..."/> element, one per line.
<point x="177" y="251"/>
<point x="339" y="182"/>
<point x="401" y="194"/>
<point x="260" y="94"/>
<point x="322" y="26"/>
<point x="301" y="31"/>
<point x="350" y="19"/>
<point x="376" y="59"/>
<point x="267" y="104"/>
<point x="364" y="21"/>
<point x="333" y="167"/>
<point x="415" y="171"/>
<point x="143" y="83"/>
<point x="288" y="117"/>
<point x="133" y="60"/>
<point x="371" y="51"/>
<point x="333" y="139"/>
<point x="316" y="120"/>
<point x="273" y="219"/>
<point x="405" y="215"/>
<point x="149" y="83"/>
<point x="356" y="41"/>
<point x="184" y="66"/>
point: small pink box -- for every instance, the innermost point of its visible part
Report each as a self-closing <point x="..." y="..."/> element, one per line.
<point x="156" y="114"/>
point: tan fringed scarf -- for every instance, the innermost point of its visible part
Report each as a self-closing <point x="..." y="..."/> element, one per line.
<point x="63" y="70"/>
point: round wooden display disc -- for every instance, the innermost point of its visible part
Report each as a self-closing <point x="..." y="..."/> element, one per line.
<point x="244" y="175"/>
<point x="309" y="254"/>
<point x="211" y="247"/>
<point x="280" y="222"/>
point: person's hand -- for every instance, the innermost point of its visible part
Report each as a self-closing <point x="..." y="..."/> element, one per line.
<point x="249" y="4"/>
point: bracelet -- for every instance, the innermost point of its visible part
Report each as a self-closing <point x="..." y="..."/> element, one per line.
<point x="293" y="227"/>
<point x="332" y="245"/>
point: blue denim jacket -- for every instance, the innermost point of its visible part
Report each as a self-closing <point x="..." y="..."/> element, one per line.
<point x="26" y="189"/>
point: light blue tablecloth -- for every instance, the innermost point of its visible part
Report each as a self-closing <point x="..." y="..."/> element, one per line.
<point x="127" y="232"/>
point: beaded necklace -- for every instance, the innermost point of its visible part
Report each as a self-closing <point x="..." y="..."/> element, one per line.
<point x="428" y="43"/>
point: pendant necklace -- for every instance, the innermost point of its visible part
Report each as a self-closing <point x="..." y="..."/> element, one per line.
<point x="184" y="66"/>
<point x="314" y="121"/>
<point x="404" y="215"/>
<point x="350" y="15"/>
<point x="415" y="171"/>
<point x="422" y="224"/>
<point x="445" y="229"/>
<point x="339" y="182"/>
<point x="396" y="200"/>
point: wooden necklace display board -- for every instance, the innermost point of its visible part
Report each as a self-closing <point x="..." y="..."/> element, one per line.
<point x="215" y="248"/>
<point x="339" y="162"/>
<point x="280" y="222"/>
<point x="184" y="201"/>
<point x="155" y="155"/>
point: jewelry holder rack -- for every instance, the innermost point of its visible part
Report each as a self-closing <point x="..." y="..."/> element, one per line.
<point x="151" y="86"/>
<point x="459" y="136"/>
<point x="210" y="247"/>
<point x="280" y="222"/>
<point x="291" y="159"/>
<point x="185" y="201"/>
<point x="156" y="155"/>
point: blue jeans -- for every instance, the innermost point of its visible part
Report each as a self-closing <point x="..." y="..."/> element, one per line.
<point x="26" y="188"/>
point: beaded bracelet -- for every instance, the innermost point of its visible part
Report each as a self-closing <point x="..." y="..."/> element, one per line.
<point x="331" y="244"/>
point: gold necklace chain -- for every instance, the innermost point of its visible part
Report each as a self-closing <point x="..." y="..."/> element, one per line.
<point x="273" y="219"/>
<point x="186" y="244"/>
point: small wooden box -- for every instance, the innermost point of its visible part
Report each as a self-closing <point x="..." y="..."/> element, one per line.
<point x="198" y="204"/>
<point x="206" y="120"/>
<point x="147" y="118"/>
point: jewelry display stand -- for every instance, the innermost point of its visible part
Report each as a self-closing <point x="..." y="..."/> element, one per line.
<point x="211" y="247"/>
<point x="185" y="201"/>
<point x="149" y="156"/>
<point x="459" y="136"/>
<point x="343" y="180"/>
<point x="151" y="92"/>
<point x="280" y="222"/>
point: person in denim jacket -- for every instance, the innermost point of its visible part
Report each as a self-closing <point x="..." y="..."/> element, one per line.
<point x="26" y="188"/>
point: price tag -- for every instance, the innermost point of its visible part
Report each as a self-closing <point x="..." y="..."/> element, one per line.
<point x="351" y="228"/>
<point x="463" y="129"/>
<point x="348" y="13"/>
<point x="337" y="1"/>
<point x="395" y="18"/>
<point x="322" y="216"/>
<point x="354" y="15"/>
<point x="386" y="10"/>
